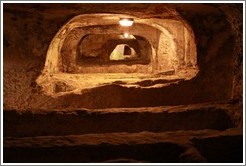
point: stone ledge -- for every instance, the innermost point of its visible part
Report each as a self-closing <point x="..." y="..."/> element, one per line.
<point x="215" y="116"/>
<point x="173" y="147"/>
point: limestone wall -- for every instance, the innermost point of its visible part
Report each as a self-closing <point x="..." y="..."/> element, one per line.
<point x="28" y="29"/>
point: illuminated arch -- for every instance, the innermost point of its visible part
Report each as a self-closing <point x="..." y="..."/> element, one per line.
<point x="53" y="61"/>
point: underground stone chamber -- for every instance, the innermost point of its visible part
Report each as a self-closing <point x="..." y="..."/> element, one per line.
<point x="94" y="45"/>
<point x="79" y="87"/>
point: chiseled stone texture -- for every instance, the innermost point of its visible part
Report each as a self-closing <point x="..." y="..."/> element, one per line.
<point x="208" y="146"/>
<point x="29" y="28"/>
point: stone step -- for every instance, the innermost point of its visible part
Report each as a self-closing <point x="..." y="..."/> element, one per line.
<point x="217" y="116"/>
<point x="211" y="146"/>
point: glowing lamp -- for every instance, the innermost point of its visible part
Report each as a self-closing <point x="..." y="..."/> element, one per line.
<point x="126" y="22"/>
<point x="126" y="35"/>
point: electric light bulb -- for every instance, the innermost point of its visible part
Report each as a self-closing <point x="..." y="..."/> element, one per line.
<point x="126" y="22"/>
<point x="125" y="35"/>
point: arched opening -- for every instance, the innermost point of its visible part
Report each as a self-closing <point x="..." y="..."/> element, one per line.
<point x="123" y="52"/>
<point x="99" y="54"/>
<point x="112" y="49"/>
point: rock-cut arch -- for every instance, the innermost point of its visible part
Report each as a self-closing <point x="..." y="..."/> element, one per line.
<point x="172" y="49"/>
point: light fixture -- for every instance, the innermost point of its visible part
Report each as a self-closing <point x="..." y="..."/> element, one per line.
<point x="126" y="22"/>
<point x="126" y="35"/>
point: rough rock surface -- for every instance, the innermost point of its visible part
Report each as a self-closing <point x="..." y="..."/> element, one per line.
<point x="171" y="147"/>
<point x="217" y="116"/>
<point x="29" y="28"/>
<point x="208" y="132"/>
<point x="196" y="120"/>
